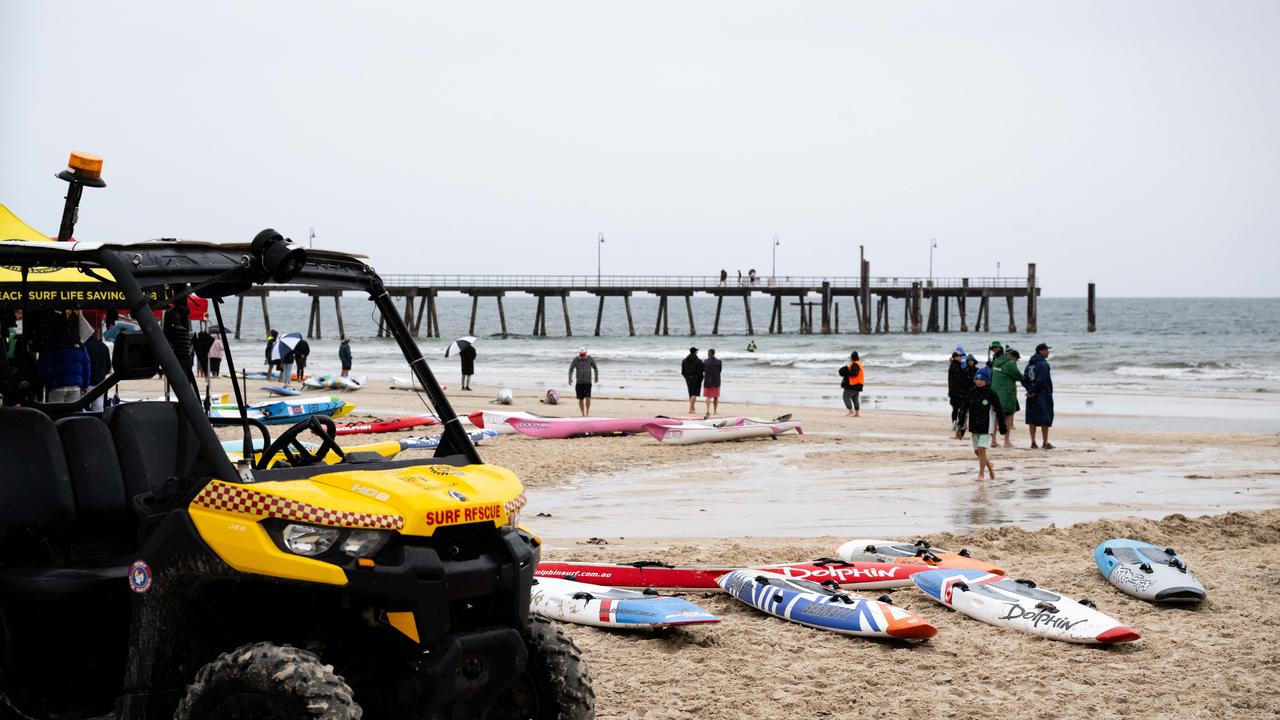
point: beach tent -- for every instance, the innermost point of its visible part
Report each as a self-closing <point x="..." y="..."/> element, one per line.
<point x="49" y="287"/>
<point x="12" y="228"/>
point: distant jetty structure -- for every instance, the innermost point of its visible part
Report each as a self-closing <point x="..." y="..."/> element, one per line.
<point x="925" y="302"/>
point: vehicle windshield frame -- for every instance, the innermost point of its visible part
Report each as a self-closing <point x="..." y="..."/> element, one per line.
<point x="139" y="268"/>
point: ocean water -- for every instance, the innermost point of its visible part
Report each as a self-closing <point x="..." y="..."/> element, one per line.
<point x="1170" y="363"/>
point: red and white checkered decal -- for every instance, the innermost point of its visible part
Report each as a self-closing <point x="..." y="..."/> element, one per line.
<point x="222" y="496"/>
<point x="514" y="505"/>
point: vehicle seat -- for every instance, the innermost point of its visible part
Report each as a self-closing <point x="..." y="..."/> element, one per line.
<point x="104" y="515"/>
<point x="37" y="506"/>
<point x="35" y="485"/>
<point x="153" y="442"/>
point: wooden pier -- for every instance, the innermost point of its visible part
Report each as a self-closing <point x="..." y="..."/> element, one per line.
<point x="926" y="302"/>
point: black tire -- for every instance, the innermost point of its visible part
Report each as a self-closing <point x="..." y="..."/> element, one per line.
<point x="556" y="684"/>
<point x="267" y="682"/>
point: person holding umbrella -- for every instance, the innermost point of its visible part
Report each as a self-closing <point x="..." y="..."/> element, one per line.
<point x="284" y="352"/>
<point x="465" y="349"/>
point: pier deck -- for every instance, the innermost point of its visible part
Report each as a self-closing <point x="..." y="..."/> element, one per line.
<point x="925" y="301"/>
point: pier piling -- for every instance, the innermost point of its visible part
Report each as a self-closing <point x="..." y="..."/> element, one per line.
<point x="1032" y="292"/>
<point x="1093" y="325"/>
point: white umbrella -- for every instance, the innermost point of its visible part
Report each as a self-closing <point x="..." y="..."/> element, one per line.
<point x="285" y="345"/>
<point x="458" y="345"/>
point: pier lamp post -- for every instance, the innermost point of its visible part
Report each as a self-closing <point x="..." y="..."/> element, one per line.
<point x="774" y="275"/>
<point x="312" y="241"/>
<point x="599" y="245"/>
<point x="997" y="269"/>
<point x="933" y="243"/>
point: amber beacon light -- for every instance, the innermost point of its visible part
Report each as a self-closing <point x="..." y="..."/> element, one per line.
<point x="83" y="170"/>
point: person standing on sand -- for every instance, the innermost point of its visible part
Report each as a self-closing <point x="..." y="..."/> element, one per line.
<point x="692" y="370"/>
<point x="271" y="343"/>
<point x="711" y="383"/>
<point x="978" y="408"/>
<point x="1039" y="384"/>
<point x="216" y="353"/>
<point x="301" y="352"/>
<point x="851" y="380"/>
<point x="958" y="384"/>
<point x="994" y="352"/>
<point x="344" y="355"/>
<point x="468" y="357"/>
<point x="1005" y="377"/>
<point x="583" y="366"/>
<point x="970" y="371"/>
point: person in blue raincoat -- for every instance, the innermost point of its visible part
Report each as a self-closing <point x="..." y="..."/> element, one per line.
<point x="1039" y="384"/>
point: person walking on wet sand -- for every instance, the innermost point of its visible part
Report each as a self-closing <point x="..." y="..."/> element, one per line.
<point x="692" y="370"/>
<point x="468" y="358"/>
<point x="711" y="383"/>
<point x="1039" y="384"/>
<point x="583" y="366"/>
<point x="978" y="408"/>
<point x="851" y="379"/>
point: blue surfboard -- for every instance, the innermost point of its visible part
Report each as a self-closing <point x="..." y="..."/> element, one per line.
<point x="816" y="606"/>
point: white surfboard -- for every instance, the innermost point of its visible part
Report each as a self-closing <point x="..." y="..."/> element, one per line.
<point x="1020" y="605"/>
<point x="690" y="433"/>
<point x="583" y="604"/>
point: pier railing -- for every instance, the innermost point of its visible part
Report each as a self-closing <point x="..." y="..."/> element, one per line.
<point x="590" y="282"/>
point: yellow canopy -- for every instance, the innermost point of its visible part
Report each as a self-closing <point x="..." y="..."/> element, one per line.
<point x="12" y="228"/>
<point x="61" y="287"/>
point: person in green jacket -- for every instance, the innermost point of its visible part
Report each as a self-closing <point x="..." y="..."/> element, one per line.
<point x="1005" y="377"/>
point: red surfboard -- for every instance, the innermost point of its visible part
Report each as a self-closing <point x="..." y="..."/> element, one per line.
<point x="648" y="574"/>
<point x="381" y="426"/>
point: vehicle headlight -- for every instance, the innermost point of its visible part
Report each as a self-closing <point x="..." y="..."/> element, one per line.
<point x="309" y="540"/>
<point x="364" y="543"/>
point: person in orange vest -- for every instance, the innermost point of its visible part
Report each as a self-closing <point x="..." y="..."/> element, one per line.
<point x="851" y="379"/>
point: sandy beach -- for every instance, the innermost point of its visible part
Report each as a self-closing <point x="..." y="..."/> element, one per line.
<point x="1211" y="497"/>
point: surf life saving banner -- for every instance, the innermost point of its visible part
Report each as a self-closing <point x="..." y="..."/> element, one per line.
<point x="56" y="287"/>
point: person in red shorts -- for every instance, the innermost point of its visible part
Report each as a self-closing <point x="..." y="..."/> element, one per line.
<point x="711" y="383"/>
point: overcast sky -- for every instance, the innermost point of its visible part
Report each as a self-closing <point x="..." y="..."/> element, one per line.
<point x="1132" y="143"/>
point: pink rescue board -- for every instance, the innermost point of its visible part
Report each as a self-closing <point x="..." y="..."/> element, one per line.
<point x="571" y="427"/>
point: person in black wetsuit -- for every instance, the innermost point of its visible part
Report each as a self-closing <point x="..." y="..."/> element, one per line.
<point x="958" y="383"/>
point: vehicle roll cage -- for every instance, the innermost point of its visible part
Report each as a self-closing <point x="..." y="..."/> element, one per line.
<point x="215" y="271"/>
